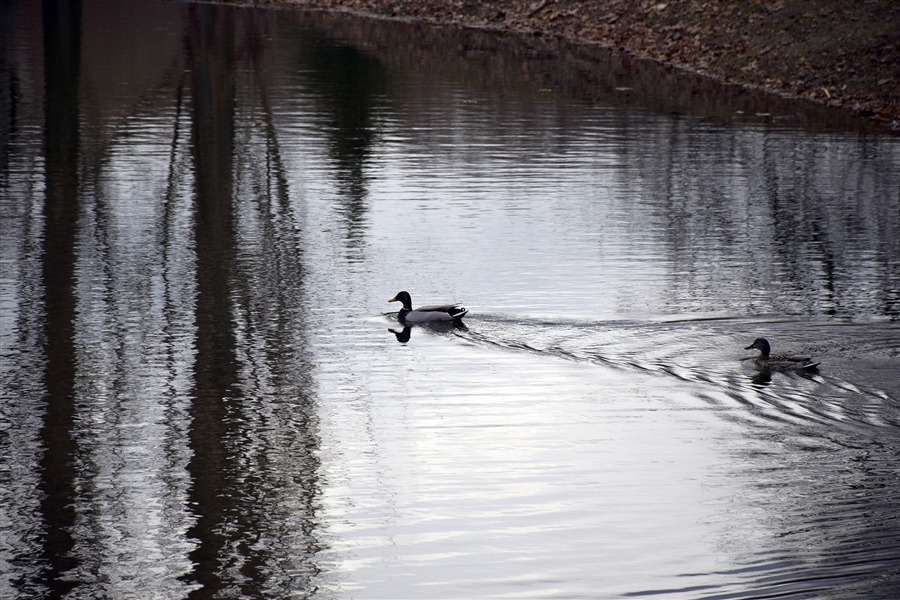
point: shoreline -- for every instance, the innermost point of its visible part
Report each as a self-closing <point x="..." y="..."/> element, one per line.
<point x="823" y="52"/>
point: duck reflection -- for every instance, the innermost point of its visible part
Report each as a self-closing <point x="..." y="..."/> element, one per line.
<point x="442" y="328"/>
<point x="402" y="334"/>
<point x="761" y="379"/>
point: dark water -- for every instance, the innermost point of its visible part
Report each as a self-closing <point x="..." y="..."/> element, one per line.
<point x="205" y="210"/>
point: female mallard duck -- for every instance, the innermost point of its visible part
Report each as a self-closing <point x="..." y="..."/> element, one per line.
<point x="779" y="363"/>
<point x="426" y="314"/>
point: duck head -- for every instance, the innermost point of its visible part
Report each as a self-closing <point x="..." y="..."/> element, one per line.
<point x="404" y="298"/>
<point x="761" y="344"/>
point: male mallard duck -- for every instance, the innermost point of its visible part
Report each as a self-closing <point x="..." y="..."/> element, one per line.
<point x="779" y="363"/>
<point x="426" y="314"/>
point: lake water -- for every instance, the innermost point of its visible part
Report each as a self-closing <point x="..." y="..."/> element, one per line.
<point x="206" y="394"/>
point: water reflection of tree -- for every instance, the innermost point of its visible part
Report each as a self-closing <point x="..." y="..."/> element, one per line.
<point x="350" y="88"/>
<point x="62" y="56"/>
<point x="782" y="230"/>
<point x="211" y="55"/>
<point x="168" y="319"/>
<point x="254" y="471"/>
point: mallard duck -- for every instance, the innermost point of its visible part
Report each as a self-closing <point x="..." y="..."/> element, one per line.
<point x="426" y="314"/>
<point x="779" y="363"/>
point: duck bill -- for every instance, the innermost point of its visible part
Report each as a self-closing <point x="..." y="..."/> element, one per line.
<point x="750" y="347"/>
<point x="394" y="299"/>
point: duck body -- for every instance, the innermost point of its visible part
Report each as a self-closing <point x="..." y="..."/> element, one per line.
<point x="795" y="362"/>
<point x="426" y="314"/>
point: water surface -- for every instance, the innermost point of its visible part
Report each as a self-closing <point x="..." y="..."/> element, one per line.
<point x="205" y="394"/>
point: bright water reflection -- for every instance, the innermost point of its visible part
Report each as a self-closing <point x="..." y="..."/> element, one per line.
<point x="205" y="211"/>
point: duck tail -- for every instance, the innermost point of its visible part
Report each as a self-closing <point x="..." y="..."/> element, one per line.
<point x="458" y="312"/>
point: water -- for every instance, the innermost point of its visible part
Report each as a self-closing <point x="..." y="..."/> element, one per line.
<point x="205" y="211"/>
